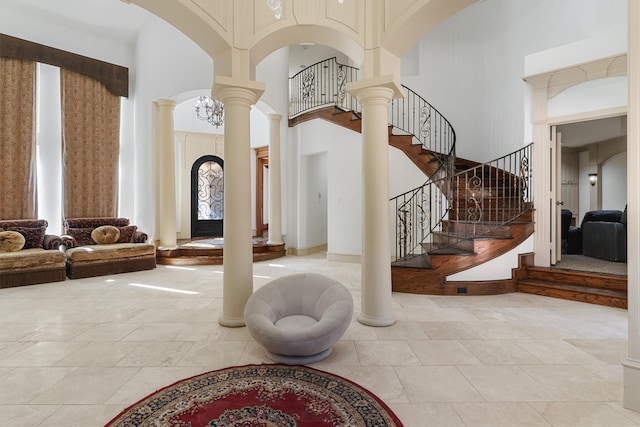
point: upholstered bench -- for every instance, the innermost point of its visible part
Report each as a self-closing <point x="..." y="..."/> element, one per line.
<point x="100" y="246"/>
<point x="298" y="318"/>
<point x="33" y="258"/>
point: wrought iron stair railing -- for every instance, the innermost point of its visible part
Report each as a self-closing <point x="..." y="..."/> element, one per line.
<point x="450" y="209"/>
<point x="480" y="202"/>
<point x="324" y="83"/>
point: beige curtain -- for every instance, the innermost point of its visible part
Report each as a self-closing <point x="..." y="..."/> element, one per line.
<point x="90" y="147"/>
<point x="17" y="139"/>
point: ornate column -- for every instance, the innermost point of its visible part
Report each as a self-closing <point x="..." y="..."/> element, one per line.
<point x="237" y="97"/>
<point x="631" y="365"/>
<point x="374" y="96"/>
<point x="275" y="190"/>
<point x="166" y="174"/>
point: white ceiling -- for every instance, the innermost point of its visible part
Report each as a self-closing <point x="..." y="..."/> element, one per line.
<point x="582" y="133"/>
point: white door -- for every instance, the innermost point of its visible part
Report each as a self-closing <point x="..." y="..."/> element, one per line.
<point x="556" y="195"/>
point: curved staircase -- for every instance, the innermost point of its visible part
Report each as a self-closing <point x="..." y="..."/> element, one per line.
<point x="465" y="214"/>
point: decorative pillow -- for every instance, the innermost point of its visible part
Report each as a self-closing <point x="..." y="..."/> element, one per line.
<point x="82" y="235"/>
<point x="11" y="241"/>
<point x="105" y="235"/>
<point x="623" y="218"/>
<point x="126" y="233"/>
<point x="34" y="237"/>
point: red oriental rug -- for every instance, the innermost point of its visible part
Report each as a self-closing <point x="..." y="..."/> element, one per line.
<point x="260" y="396"/>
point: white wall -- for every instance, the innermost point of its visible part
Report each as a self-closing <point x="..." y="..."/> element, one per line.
<point x="18" y="22"/>
<point x="585" y="167"/>
<point x="316" y="194"/>
<point x="594" y="95"/>
<point x="472" y="65"/>
<point x="343" y="150"/>
<point x="496" y="269"/>
<point x="190" y="146"/>
<point x="167" y="64"/>
<point x="614" y="182"/>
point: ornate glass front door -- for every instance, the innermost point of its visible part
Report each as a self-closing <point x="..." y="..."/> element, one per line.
<point x="207" y="197"/>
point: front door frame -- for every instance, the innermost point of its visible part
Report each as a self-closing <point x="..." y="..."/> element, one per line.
<point x="203" y="228"/>
<point x="262" y="162"/>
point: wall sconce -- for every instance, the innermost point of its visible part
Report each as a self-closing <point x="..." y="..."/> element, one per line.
<point x="593" y="179"/>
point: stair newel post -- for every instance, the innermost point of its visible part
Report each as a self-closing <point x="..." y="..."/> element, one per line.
<point x="374" y="96"/>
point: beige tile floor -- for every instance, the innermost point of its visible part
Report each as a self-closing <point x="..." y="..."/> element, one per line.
<point x="76" y="353"/>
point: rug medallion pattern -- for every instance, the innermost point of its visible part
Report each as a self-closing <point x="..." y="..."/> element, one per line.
<point x="260" y="396"/>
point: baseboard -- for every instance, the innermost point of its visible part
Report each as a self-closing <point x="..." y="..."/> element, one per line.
<point x="355" y="259"/>
<point x="306" y="251"/>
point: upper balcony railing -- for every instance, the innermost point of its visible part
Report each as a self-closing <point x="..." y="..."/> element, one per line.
<point x="322" y="84"/>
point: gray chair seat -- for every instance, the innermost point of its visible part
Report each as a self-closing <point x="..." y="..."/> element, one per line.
<point x="298" y="318"/>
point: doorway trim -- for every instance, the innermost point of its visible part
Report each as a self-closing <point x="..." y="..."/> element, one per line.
<point x="544" y="87"/>
<point x="262" y="161"/>
<point x="203" y="228"/>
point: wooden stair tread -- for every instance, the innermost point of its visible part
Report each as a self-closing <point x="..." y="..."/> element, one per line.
<point x="416" y="261"/>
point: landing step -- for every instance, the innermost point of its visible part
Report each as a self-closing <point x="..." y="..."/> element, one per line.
<point x="607" y="297"/>
<point x="213" y="254"/>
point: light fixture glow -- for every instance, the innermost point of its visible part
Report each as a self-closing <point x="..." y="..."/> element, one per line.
<point x="593" y="179"/>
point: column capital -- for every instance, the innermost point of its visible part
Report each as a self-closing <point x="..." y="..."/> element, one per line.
<point x="381" y="86"/>
<point x="274" y="117"/>
<point x="166" y="103"/>
<point x="228" y="89"/>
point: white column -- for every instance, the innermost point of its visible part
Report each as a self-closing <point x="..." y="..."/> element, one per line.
<point x="166" y="175"/>
<point x="631" y="366"/>
<point x="275" y="189"/>
<point x="374" y="96"/>
<point x="237" y="97"/>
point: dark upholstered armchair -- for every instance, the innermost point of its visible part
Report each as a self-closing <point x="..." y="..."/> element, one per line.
<point x="606" y="240"/>
<point x="598" y="235"/>
<point x="565" y="218"/>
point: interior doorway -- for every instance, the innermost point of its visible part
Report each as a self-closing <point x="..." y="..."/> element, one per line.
<point x="207" y="197"/>
<point x="592" y="168"/>
<point x="262" y="191"/>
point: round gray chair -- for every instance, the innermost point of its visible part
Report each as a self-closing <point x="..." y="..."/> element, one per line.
<point x="298" y="318"/>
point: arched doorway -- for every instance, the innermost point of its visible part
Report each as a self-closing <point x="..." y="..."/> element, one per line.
<point x="207" y="197"/>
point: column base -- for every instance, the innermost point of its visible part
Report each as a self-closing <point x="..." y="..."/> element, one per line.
<point x="631" y="391"/>
<point x="376" y="321"/>
<point x="236" y="322"/>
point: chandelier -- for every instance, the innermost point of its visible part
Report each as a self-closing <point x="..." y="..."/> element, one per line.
<point x="213" y="110"/>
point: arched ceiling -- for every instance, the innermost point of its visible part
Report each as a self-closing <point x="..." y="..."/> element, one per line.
<point x="352" y="27"/>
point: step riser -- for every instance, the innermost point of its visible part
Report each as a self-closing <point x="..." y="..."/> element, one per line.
<point x="467" y="229"/>
<point x="590" y="280"/>
<point x="618" y="302"/>
<point x="498" y="217"/>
